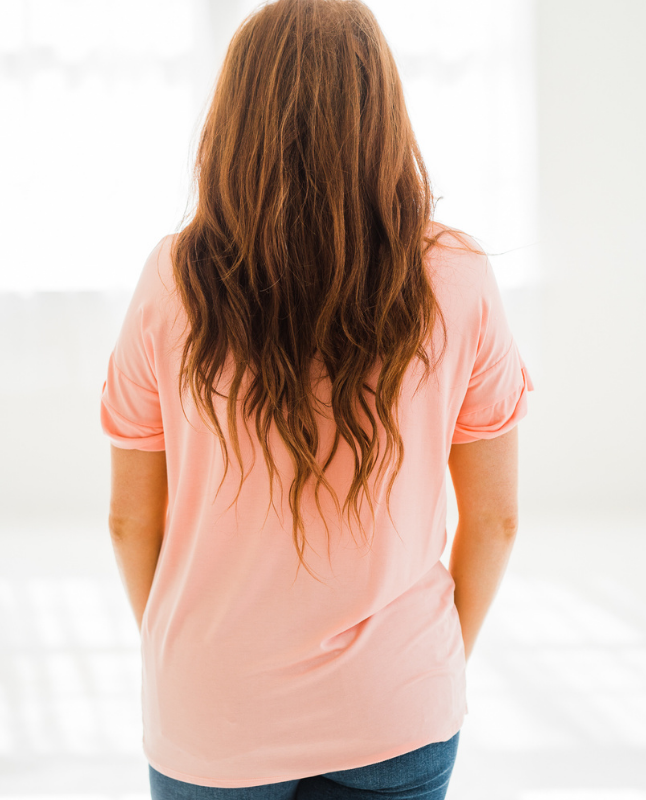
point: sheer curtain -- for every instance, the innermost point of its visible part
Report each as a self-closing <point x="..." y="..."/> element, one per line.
<point x="100" y="102"/>
<point x="468" y="73"/>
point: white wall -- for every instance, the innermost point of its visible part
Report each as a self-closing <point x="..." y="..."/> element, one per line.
<point x="585" y="445"/>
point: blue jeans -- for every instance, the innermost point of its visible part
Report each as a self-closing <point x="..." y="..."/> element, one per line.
<point x="422" y="774"/>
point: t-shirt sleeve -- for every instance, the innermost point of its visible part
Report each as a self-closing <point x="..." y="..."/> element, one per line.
<point x="496" y="396"/>
<point x="131" y="414"/>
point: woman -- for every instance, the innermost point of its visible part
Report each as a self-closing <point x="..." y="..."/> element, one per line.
<point x="313" y="321"/>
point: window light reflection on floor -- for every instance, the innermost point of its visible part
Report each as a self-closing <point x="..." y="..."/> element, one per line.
<point x="584" y="794"/>
<point x="71" y="668"/>
<point x="556" y="669"/>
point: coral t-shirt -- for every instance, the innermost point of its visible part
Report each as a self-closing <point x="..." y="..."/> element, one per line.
<point x="254" y="672"/>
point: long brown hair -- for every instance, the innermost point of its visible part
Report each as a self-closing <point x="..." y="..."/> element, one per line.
<point x="308" y="240"/>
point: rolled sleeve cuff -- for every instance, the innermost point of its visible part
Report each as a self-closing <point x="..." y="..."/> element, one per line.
<point x="130" y="415"/>
<point x="496" y="418"/>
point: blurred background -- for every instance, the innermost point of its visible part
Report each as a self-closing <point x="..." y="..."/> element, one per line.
<point x="531" y="117"/>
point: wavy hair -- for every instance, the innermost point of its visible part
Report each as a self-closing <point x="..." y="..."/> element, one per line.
<point x="308" y="241"/>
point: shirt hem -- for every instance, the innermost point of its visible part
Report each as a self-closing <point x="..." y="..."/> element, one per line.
<point x="214" y="782"/>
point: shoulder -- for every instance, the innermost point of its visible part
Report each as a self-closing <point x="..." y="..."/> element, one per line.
<point x="457" y="264"/>
<point x="454" y="244"/>
<point x="159" y="262"/>
<point x="153" y="298"/>
<point x="156" y="277"/>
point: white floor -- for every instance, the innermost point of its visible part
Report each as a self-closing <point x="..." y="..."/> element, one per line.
<point x="556" y="685"/>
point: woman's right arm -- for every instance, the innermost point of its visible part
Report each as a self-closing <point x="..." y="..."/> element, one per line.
<point x="485" y="479"/>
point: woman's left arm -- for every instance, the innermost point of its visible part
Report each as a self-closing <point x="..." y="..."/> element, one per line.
<point x="138" y="503"/>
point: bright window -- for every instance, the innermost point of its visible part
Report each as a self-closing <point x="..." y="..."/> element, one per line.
<point x="97" y="108"/>
<point x="100" y="102"/>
